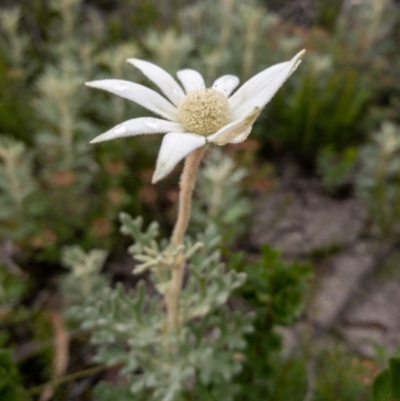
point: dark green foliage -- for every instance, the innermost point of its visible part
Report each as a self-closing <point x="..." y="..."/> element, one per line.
<point x="277" y="290"/>
<point x="10" y="387"/>
<point x="336" y="168"/>
<point x="327" y="13"/>
<point x="15" y="110"/>
<point x="386" y="386"/>
<point x="322" y="372"/>
<point x="277" y="286"/>
<point x="323" y="111"/>
<point x="13" y="287"/>
<point x="382" y="389"/>
<point x="394" y="366"/>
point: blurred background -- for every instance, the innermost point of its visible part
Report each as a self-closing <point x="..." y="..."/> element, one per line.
<point x="322" y="166"/>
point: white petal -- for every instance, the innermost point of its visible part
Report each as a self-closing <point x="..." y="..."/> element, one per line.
<point x="267" y="94"/>
<point x="138" y="126"/>
<point x="191" y="80"/>
<point x="253" y="86"/>
<point x="242" y="136"/>
<point x="226" y="84"/>
<point x="234" y="130"/>
<point x="174" y="147"/>
<point x="161" y="78"/>
<point x="260" y="89"/>
<point x="139" y="94"/>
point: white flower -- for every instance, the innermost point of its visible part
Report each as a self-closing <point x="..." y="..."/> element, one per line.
<point x="196" y="115"/>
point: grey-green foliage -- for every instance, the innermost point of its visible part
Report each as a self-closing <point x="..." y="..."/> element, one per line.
<point x="59" y="106"/>
<point x="12" y="42"/>
<point x="370" y="20"/>
<point x="115" y="60"/>
<point x="84" y="283"/>
<point x="66" y="188"/>
<point x="170" y="50"/>
<point x="129" y="326"/>
<point x="378" y="182"/>
<point x="17" y="188"/>
<point x="228" y="24"/>
<point x="85" y="267"/>
<point x="62" y="103"/>
<point x="16" y="182"/>
<point x="220" y="199"/>
<point x="374" y="169"/>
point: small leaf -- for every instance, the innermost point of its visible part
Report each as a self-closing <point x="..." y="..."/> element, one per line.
<point x="6" y="360"/>
<point x="394" y="366"/>
<point x="8" y="393"/>
<point x="381" y="388"/>
<point x="21" y="394"/>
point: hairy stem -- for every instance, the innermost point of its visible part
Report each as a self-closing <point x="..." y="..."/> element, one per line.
<point x="187" y="182"/>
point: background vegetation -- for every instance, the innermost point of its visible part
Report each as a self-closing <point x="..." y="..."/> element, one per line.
<point x="337" y="118"/>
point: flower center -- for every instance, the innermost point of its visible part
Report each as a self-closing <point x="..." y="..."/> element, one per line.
<point x="204" y="111"/>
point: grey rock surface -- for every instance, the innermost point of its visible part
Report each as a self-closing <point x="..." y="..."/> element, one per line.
<point x="347" y="298"/>
<point x="373" y="319"/>
<point x="303" y="221"/>
<point x="338" y="280"/>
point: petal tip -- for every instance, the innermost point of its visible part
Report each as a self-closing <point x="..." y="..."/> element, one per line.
<point x="300" y="54"/>
<point x="131" y="60"/>
<point x="157" y="176"/>
<point x="92" y="84"/>
<point x="99" y="138"/>
<point x="163" y="168"/>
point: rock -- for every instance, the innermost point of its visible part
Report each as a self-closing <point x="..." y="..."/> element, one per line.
<point x="339" y="277"/>
<point x="374" y="319"/>
<point x="347" y="299"/>
<point x="304" y="221"/>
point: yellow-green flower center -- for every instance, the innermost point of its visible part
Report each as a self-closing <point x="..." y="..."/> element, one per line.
<point x="204" y="111"/>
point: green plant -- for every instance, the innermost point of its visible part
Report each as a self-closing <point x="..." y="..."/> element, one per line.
<point x="52" y="188"/>
<point x="56" y="189"/>
<point x="13" y="287"/>
<point x="130" y="327"/>
<point x="17" y="187"/>
<point x="276" y="289"/>
<point x="386" y="385"/>
<point x="204" y="352"/>
<point x="377" y="182"/>
<point x="220" y="200"/>
<point x="322" y="371"/>
<point x="10" y="387"/>
<point x="325" y="111"/>
<point x="336" y="169"/>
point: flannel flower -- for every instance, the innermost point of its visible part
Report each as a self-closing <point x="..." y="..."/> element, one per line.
<point x="196" y="115"/>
